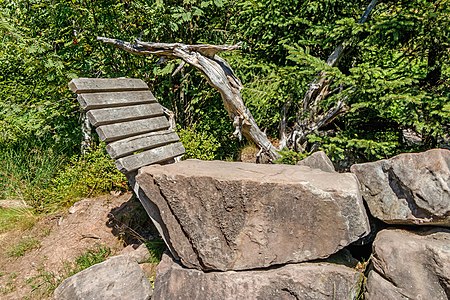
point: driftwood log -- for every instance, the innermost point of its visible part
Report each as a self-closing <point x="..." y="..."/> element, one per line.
<point x="219" y="75"/>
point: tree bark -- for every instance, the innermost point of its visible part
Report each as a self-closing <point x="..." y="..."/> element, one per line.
<point x="219" y="75"/>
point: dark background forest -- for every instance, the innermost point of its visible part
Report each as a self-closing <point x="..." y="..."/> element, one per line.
<point x="393" y="77"/>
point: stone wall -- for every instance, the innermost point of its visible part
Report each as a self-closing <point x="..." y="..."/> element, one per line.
<point x="248" y="231"/>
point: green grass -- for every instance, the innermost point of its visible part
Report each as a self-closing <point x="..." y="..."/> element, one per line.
<point x="156" y="249"/>
<point x="88" y="259"/>
<point x="25" y="245"/>
<point x="13" y="218"/>
<point x="48" y="181"/>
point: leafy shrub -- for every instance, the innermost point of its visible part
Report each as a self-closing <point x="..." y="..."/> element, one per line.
<point x="84" y="176"/>
<point x="198" y="144"/>
<point x="290" y="157"/>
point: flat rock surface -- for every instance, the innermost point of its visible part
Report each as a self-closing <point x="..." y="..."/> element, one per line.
<point x="297" y="281"/>
<point x="118" y="278"/>
<point x="411" y="188"/>
<point x="410" y="265"/>
<point x="238" y="216"/>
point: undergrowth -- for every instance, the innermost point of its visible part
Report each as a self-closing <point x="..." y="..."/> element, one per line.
<point x="15" y="218"/>
<point x="156" y="249"/>
<point x="47" y="180"/>
<point x="25" y="245"/>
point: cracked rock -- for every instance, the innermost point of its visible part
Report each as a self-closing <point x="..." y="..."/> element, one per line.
<point x="295" y="281"/>
<point x="410" y="265"/>
<point x="411" y="188"/>
<point x="240" y="216"/>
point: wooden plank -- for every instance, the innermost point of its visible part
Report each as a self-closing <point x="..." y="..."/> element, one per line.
<point x="104" y="116"/>
<point x="114" y="99"/>
<point x="153" y="156"/>
<point x="141" y="142"/>
<point x="117" y="131"/>
<point x="96" y="85"/>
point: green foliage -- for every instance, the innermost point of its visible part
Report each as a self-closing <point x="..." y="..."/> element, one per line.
<point x="84" y="176"/>
<point x="290" y="157"/>
<point x="156" y="249"/>
<point x="89" y="258"/>
<point x="47" y="180"/>
<point x="394" y="76"/>
<point x="14" y="218"/>
<point x="27" y="169"/>
<point x="198" y="144"/>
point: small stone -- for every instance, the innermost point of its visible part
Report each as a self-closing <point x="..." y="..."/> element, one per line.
<point x="140" y="254"/>
<point x="318" y="160"/>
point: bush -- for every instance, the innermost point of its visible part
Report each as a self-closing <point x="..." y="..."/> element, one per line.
<point x="198" y="144"/>
<point x="84" y="176"/>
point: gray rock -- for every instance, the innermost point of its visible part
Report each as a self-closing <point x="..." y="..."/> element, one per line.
<point x="318" y="160"/>
<point x="410" y="265"/>
<point x="296" y="281"/>
<point x="239" y="216"/>
<point x="408" y="188"/>
<point x="140" y="254"/>
<point x="116" y="278"/>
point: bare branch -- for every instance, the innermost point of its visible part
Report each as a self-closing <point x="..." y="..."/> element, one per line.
<point x="219" y="75"/>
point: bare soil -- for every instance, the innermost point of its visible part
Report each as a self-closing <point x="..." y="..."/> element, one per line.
<point x="112" y="221"/>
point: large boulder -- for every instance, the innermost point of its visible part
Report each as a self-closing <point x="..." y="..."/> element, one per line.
<point x="410" y="188"/>
<point x="296" y="281"/>
<point x="410" y="265"/>
<point x="118" y="278"/>
<point x="238" y="216"/>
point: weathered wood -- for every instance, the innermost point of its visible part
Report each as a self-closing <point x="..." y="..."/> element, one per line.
<point x="105" y="116"/>
<point x="96" y="85"/>
<point x="116" y="99"/>
<point x="114" y="132"/>
<point x="141" y="142"/>
<point x="157" y="155"/>
<point x="219" y="75"/>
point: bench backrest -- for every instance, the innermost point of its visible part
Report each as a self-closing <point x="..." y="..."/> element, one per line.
<point x="128" y="118"/>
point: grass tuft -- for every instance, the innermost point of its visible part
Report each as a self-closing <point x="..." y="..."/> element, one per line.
<point x="25" y="245"/>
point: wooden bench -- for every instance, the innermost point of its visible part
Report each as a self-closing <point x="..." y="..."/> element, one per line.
<point x="128" y="118"/>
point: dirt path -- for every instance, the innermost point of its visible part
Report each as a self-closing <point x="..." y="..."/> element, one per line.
<point x="33" y="262"/>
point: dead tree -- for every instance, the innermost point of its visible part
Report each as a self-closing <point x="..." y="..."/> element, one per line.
<point x="311" y="117"/>
<point x="219" y="75"/>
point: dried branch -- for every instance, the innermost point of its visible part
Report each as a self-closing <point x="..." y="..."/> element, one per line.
<point x="219" y="75"/>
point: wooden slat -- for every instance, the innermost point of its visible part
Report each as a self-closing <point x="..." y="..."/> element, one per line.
<point x="114" y="132"/>
<point x="114" y="99"/>
<point x="103" y="116"/>
<point x="141" y="142"/>
<point x="153" y="156"/>
<point x="97" y="85"/>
